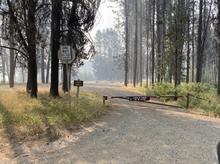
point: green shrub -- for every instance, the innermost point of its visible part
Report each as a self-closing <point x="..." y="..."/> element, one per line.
<point x="208" y="104"/>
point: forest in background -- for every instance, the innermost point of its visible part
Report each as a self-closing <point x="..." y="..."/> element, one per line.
<point x="153" y="42"/>
<point x="169" y="41"/>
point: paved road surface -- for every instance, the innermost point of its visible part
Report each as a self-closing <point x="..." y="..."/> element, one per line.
<point x="134" y="132"/>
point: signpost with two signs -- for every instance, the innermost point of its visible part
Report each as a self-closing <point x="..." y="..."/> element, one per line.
<point x="67" y="55"/>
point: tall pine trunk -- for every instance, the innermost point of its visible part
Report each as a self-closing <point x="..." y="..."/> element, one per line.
<point x="153" y="41"/>
<point x="199" y="46"/>
<point x="42" y="65"/>
<point x="31" y="38"/>
<point x="12" y="55"/>
<point x="193" y="42"/>
<point x="159" y="40"/>
<point x="218" y="33"/>
<point x="55" y="44"/>
<point x="66" y="88"/>
<point x="48" y="67"/>
<point x="188" y="42"/>
<point x="141" y="42"/>
<point x="3" y="65"/>
<point x="135" y="45"/>
<point x="126" y="8"/>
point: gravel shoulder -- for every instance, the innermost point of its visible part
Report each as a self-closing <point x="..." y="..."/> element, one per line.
<point x="130" y="132"/>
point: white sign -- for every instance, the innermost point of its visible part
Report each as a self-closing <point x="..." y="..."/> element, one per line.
<point x="66" y="54"/>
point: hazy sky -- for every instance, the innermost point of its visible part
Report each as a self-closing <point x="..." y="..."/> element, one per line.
<point x="105" y="17"/>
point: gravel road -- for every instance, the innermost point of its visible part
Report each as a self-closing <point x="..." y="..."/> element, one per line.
<point x="133" y="132"/>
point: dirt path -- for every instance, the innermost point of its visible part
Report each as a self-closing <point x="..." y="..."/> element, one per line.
<point x="132" y="133"/>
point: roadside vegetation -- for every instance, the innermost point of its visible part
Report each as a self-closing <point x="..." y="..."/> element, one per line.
<point x="203" y="99"/>
<point x="23" y="116"/>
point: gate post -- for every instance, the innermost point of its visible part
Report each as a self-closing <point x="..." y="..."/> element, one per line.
<point x="104" y="99"/>
<point x="187" y="100"/>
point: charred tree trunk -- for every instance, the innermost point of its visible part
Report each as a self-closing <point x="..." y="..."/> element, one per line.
<point x="65" y="86"/>
<point x="55" y="44"/>
<point x="31" y="39"/>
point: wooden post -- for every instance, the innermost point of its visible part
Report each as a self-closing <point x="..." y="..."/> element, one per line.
<point x="104" y="99"/>
<point x="77" y="95"/>
<point x="187" y="100"/>
<point x="68" y="84"/>
<point x="78" y="83"/>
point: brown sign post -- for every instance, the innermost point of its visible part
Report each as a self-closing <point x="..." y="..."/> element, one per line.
<point x="78" y="83"/>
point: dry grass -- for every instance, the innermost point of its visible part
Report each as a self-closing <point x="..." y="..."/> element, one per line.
<point x="23" y="116"/>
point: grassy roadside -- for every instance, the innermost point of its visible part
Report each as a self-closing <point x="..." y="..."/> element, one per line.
<point x="23" y="116"/>
<point x="209" y="104"/>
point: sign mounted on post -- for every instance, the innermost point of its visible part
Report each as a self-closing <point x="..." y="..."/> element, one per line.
<point x="78" y="83"/>
<point x="66" y="54"/>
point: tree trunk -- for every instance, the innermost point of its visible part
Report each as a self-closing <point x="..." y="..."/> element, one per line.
<point x="12" y="56"/>
<point x="66" y="88"/>
<point x="199" y="46"/>
<point x="163" y="72"/>
<point x="188" y="42"/>
<point x="55" y="44"/>
<point x="31" y="38"/>
<point x="159" y="40"/>
<point x="48" y="67"/>
<point x="176" y="54"/>
<point x="148" y="9"/>
<point x="126" y="8"/>
<point x="141" y="42"/>
<point x="135" y="44"/>
<point x="193" y="43"/>
<point x="153" y="41"/>
<point x="42" y="66"/>
<point x="3" y="65"/>
<point x="218" y="50"/>
<point x="23" y="74"/>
